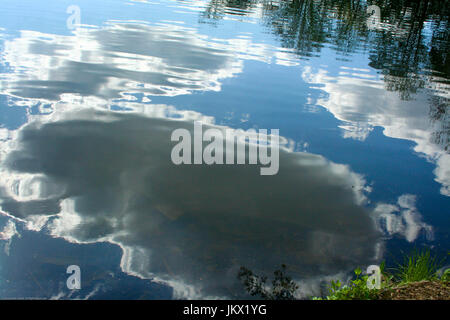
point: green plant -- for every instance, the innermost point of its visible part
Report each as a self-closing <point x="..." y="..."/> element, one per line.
<point x="419" y="265"/>
<point x="446" y="275"/>
<point x="356" y="290"/>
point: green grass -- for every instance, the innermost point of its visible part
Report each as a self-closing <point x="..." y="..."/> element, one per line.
<point x="417" y="266"/>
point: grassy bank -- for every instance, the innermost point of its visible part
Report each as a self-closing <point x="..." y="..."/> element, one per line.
<point x="419" y="276"/>
<point x="416" y="277"/>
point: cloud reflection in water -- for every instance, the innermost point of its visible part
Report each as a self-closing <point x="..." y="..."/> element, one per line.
<point x="90" y="175"/>
<point x="108" y="177"/>
<point x="125" y="58"/>
<point x="121" y="57"/>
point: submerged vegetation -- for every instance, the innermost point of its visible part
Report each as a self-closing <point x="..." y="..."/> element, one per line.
<point x="417" y="277"/>
<point x="282" y="288"/>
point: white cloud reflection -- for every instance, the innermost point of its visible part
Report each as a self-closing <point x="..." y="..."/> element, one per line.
<point x="7" y="234"/>
<point x="124" y="58"/>
<point x="362" y="103"/>
<point x="9" y="231"/>
<point x="402" y="219"/>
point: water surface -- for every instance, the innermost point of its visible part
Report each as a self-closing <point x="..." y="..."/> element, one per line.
<point x="86" y="116"/>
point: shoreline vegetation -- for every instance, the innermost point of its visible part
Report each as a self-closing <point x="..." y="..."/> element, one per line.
<point x="421" y="276"/>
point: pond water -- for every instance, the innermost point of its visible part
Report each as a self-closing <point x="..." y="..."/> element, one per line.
<point x="91" y="93"/>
